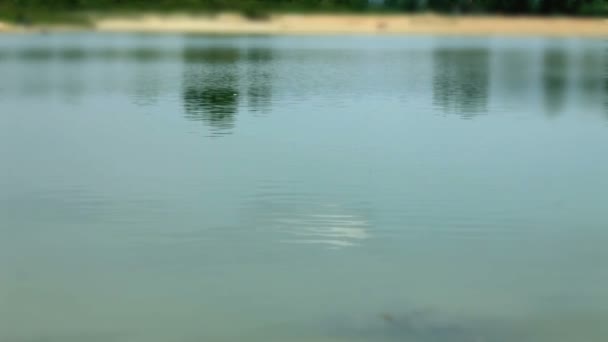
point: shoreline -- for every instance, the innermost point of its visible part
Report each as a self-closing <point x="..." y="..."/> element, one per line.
<point x="336" y="24"/>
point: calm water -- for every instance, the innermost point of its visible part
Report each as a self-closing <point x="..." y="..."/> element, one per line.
<point x="184" y="188"/>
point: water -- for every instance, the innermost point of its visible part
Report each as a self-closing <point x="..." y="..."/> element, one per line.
<point x="185" y="188"/>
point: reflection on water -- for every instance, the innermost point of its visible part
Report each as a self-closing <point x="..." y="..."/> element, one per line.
<point x="605" y="82"/>
<point x="35" y="54"/>
<point x="259" y="79"/>
<point x="76" y="337"/>
<point x="72" y="54"/>
<point x="306" y="218"/>
<point x="213" y="77"/>
<point x="336" y="205"/>
<point x="210" y="87"/>
<point x="147" y="84"/>
<point x="460" y="80"/>
<point x="218" y="78"/>
<point x="555" y="79"/>
<point x="327" y="225"/>
<point x="516" y="77"/>
<point x="591" y="63"/>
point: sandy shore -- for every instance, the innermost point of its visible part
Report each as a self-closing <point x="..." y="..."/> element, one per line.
<point x="6" y="27"/>
<point x="346" y="24"/>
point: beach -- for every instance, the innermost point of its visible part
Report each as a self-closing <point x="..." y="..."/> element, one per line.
<point x="337" y="24"/>
<point x="4" y="27"/>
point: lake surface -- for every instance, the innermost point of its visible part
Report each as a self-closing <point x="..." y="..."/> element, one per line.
<point x="187" y="188"/>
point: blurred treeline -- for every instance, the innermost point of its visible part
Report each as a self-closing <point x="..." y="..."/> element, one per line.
<point x="30" y="10"/>
<point x="537" y="7"/>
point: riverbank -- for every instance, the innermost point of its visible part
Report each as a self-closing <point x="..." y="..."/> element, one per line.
<point x="4" y="27"/>
<point x="338" y="24"/>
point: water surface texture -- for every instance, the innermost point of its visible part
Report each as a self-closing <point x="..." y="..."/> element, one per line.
<point x="186" y="188"/>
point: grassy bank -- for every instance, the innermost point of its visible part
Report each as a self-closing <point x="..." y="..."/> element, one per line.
<point x="75" y="12"/>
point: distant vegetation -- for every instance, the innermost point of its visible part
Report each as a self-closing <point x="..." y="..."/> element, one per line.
<point x="25" y="11"/>
<point x="542" y="7"/>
